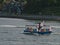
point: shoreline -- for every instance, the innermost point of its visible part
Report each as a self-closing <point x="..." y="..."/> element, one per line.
<point x="32" y="17"/>
<point x="27" y="18"/>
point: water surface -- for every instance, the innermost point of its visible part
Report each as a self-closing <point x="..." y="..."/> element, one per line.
<point x="15" y="36"/>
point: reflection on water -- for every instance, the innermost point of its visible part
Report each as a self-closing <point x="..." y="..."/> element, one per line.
<point x="15" y="36"/>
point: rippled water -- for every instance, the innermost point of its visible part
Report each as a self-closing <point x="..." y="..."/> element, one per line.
<point x="15" y="36"/>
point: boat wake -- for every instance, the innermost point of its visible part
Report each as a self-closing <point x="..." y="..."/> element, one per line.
<point x="55" y="33"/>
<point x="13" y="26"/>
<point x="55" y="26"/>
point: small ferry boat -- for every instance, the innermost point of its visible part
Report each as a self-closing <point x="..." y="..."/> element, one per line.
<point x="34" y="29"/>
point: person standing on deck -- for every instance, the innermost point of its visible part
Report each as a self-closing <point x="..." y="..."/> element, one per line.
<point x="50" y="29"/>
<point x="40" y="25"/>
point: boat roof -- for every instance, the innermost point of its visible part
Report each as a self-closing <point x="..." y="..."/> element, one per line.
<point x="33" y="26"/>
<point x="30" y="25"/>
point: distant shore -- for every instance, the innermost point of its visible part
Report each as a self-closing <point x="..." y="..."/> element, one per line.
<point x="32" y="17"/>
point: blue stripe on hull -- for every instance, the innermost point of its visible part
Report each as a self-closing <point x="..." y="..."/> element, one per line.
<point x="45" y="32"/>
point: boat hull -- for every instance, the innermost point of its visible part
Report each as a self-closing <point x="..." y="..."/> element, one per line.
<point x="45" y="32"/>
<point x="35" y="31"/>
